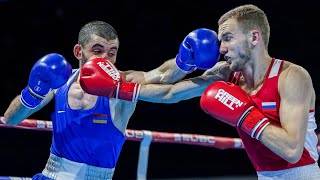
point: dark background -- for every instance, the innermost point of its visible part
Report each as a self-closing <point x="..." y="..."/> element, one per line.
<point x="149" y="32"/>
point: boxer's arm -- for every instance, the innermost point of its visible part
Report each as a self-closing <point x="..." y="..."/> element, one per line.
<point x="297" y="96"/>
<point x="168" y="93"/>
<point x="168" y="72"/>
<point x="221" y="68"/>
<point x="17" y="112"/>
<point x="185" y="89"/>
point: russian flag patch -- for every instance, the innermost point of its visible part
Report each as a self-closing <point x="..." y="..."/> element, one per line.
<point x="269" y="106"/>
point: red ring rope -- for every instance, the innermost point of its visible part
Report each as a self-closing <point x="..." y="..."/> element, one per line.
<point x="161" y="137"/>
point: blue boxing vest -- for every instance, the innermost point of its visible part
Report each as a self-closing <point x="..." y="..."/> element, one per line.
<point x="85" y="136"/>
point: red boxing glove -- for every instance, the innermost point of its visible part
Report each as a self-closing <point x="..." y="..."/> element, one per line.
<point x="229" y="103"/>
<point x="100" y="77"/>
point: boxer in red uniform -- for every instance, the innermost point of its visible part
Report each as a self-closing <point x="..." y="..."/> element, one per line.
<point x="270" y="101"/>
<point x="272" y="105"/>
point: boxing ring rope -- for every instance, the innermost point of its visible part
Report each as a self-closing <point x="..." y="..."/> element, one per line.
<point x="147" y="137"/>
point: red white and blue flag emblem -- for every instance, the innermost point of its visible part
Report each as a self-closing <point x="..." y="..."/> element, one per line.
<point x="269" y="106"/>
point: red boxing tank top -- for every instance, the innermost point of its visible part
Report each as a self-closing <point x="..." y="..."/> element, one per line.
<point x="267" y="99"/>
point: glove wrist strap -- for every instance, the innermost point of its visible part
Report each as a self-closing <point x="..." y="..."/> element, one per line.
<point x="128" y="91"/>
<point x="187" y="68"/>
<point x="29" y="99"/>
<point x="253" y="122"/>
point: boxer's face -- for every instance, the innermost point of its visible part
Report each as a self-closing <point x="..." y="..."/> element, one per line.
<point x="234" y="46"/>
<point x="99" y="47"/>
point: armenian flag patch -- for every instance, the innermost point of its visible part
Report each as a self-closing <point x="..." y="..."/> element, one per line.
<point x="100" y="119"/>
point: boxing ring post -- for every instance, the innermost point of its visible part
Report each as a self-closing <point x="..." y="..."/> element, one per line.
<point x="144" y="155"/>
<point x="146" y="138"/>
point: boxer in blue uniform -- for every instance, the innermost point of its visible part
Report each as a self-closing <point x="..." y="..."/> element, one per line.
<point x="94" y="103"/>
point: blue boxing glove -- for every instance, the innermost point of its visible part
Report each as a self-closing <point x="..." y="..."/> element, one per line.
<point x="199" y="49"/>
<point x="49" y="72"/>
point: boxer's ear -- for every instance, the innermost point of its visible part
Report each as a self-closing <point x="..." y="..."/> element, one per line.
<point x="255" y="37"/>
<point x="77" y="51"/>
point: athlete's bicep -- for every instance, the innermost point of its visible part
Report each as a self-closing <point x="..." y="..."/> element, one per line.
<point x="295" y="88"/>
